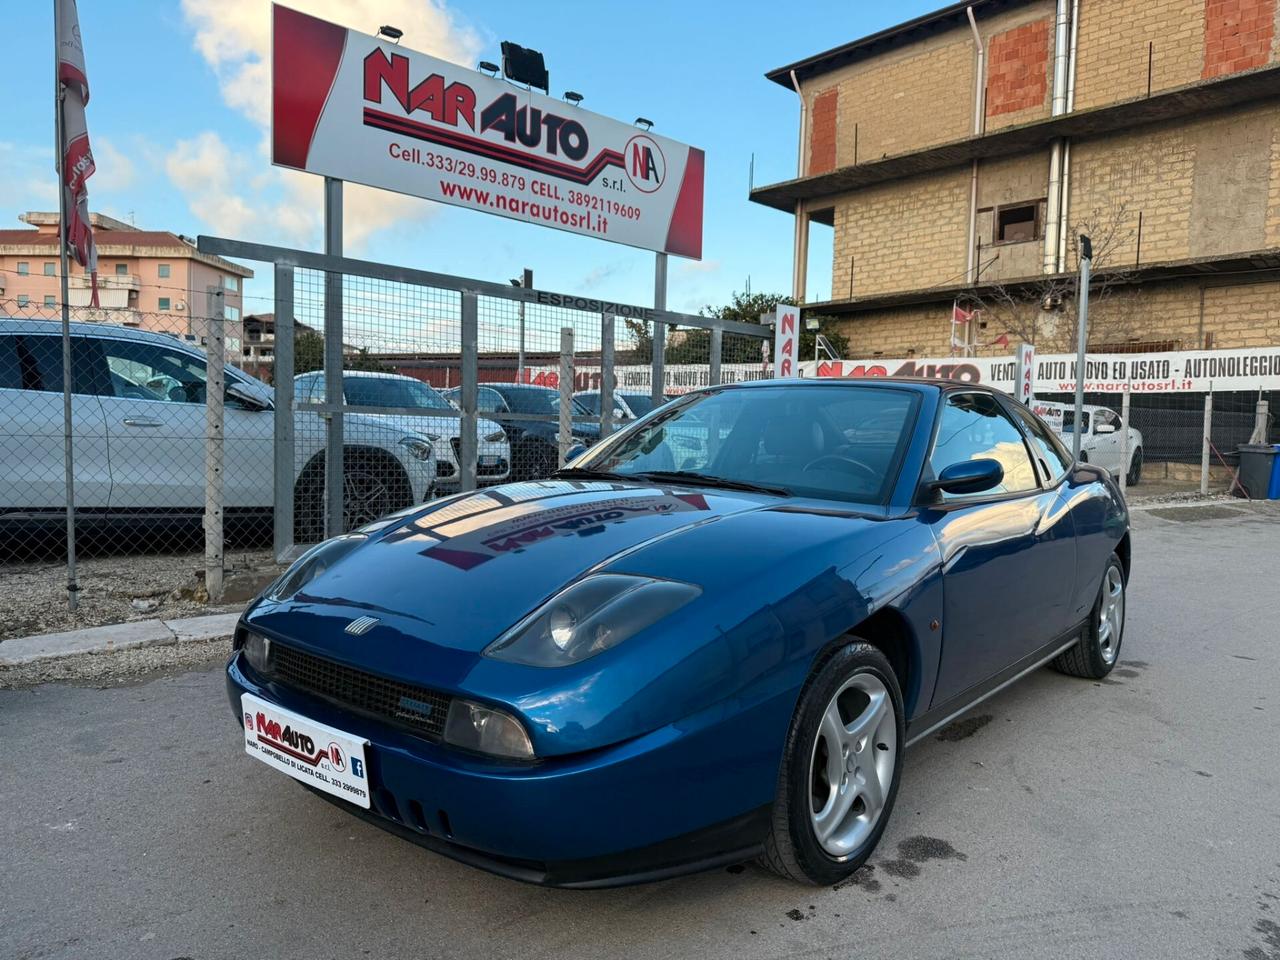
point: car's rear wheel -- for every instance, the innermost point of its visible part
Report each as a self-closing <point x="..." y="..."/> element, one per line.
<point x="840" y="769"/>
<point x="373" y="485"/>
<point x="1135" y="468"/>
<point x="1096" y="653"/>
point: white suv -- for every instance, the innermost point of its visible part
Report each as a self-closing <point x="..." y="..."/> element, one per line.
<point x="366" y="388"/>
<point x="138" y="433"/>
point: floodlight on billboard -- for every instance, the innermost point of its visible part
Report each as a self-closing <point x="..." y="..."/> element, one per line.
<point x="355" y="107"/>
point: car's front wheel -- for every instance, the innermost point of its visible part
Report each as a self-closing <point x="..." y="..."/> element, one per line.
<point x="1096" y="653"/>
<point x="1135" y="468"/>
<point x="840" y="770"/>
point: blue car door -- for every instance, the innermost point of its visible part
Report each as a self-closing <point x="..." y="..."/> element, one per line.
<point x="1008" y="554"/>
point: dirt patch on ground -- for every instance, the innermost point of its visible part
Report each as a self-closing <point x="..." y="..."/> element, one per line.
<point x="123" y="588"/>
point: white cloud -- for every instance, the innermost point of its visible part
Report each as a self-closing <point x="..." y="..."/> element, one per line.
<point x="115" y="171"/>
<point x="699" y="266"/>
<point x="241" y="196"/>
<point x="30" y="181"/>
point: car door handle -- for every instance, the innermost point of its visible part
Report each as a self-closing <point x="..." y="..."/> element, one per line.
<point x="141" y="422"/>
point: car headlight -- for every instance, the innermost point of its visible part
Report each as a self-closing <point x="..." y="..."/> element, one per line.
<point x="496" y="437"/>
<point x="589" y="617"/>
<point x="419" y="447"/>
<point x="313" y="563"/>
<point x="484" y="729"/>
<point x="257" y="650"/>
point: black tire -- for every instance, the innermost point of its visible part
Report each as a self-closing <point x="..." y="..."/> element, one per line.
<point x="1135" y="469"/>
<point x="1091" y="657"/>
<point x="792" y="849"/>
<point x="361" y="469"/>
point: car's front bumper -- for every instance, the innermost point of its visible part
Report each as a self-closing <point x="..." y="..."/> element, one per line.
<point x="665" y="803"/>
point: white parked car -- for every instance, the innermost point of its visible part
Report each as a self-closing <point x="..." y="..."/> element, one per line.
<point x="362" y="388"/>
<point x="1101" y="441"/>
<point x="138" y="432"/>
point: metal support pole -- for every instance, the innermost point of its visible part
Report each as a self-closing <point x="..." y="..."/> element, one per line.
<point x="214" y="395"/>
<point x="717" y="349"/>
<point x="470" y="376"/>
<point x="333" y="333"/>
<point x="1124" y="440"/>
<point x="1204" y="446"/>
<point x="68" y="460"/>
<point x="658" y="385"/>
<point x="526" y="281"/>
<point x="565" y="433"/>
<point x="1082" y="339"/>
<point x="800" y="254"/>
<point x="607" y="381"/>
<point x="282" y="381"/>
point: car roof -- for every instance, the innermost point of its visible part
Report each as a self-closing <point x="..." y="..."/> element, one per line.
<point x="105" y="330"/>
<point x="919" y="384"/>
<point x="378" y="374"/>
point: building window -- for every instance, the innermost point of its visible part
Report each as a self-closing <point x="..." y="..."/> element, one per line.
<point x="162" y="271"/>
<point x="122" y="269"/>
<point x="231" y="283"/>
<point x="23" y="300"/>
<point x="24" y="268"/>
<point x="49" y="301"/>
<point x="1017" y="222"/>
<point x="231" y="313"/>
<point x="50" y="269"/>
<point x="164" y="303"/>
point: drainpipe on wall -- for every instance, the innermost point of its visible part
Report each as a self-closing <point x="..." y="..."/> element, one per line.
<point x="979" y="108"/>
<point x="1066" y="153"/>
<point x="1061" y="62"/>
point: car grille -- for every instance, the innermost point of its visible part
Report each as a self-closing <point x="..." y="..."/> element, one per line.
<point x="493" y="470"/>
<point x="405" y="705"/>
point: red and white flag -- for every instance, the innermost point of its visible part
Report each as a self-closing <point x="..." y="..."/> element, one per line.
<point x="960" y="327"/>
<point x="76" y="156"/>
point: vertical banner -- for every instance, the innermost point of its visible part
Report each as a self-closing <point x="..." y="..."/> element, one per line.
<point x="786" y="341"/>
<point x="1024" y="389"/>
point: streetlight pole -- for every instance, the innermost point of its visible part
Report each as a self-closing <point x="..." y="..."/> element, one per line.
<point x="525" y="280"/>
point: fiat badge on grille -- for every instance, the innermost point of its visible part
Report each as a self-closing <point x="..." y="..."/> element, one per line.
<point x="361" y="626"/>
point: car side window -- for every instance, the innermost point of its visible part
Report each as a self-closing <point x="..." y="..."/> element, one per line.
<point x="1105" y="418"/>
<point x="1052" y="456"/>
<point x="39" y="362"/>
<point x="973" y="427"/>
<point x="10" y="370"/>
<point x="144" y="371"/>
<point x="591" y="401"/>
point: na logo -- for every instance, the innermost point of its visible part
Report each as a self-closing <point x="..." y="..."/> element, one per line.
<point x="644" y="162"/>
<point x="336" y="758"/>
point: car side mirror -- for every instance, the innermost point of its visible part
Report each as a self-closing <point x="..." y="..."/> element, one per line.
<point x="1105" y="428"/>
<point x="969" y="476"/>
<point x="576" y="449"/>
<point x="252" y="401"/>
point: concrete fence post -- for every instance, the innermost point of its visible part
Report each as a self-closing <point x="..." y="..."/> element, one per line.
<point x="606" y="374"/>
<point x="1204" y="446"/>
<point x="469" y="322"/>
<point x="1124" y="440"/>
<point x="214" y="396"/>
<point x="565" y="433"/>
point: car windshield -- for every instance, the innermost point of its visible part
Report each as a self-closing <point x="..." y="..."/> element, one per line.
<point x="525" y="400"/>
<point x="392" y="392"/>
<point x="834" y="442"/>
<point x="1069" y="421"/>
<point x="639" y="403"/>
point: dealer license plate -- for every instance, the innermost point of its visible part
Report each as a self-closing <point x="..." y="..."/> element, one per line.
<point x="321" y="756"/>
<point x="490" y="460"/>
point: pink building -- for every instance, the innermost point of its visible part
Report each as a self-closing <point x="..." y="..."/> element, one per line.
<point x="151" y="279"/>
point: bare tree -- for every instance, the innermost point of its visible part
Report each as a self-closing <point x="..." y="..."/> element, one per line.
<point x="1041" y="309"/>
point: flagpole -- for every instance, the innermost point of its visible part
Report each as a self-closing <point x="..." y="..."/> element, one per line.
<point x="73" y="588"/>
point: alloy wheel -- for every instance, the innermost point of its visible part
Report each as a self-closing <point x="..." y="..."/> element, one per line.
<point x="852" y="763"/>
<point x="1111" y="615"/>
<point x="365" y="498"/>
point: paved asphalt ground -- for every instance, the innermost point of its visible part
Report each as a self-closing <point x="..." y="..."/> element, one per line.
<point x="1138" y="817"/>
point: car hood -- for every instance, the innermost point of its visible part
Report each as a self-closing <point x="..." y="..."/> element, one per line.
<point x="444" y="427"/>
<point x="461" y="571"/>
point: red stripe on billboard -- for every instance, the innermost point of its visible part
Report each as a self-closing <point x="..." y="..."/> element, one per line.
<point x="305" y="55"/>
<point x="684" y="236"/>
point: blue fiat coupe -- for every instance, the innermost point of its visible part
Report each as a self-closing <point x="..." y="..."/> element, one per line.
<point x="712" y="637"/>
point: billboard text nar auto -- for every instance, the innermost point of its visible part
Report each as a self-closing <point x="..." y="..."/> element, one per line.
<point x="354" y="107"/>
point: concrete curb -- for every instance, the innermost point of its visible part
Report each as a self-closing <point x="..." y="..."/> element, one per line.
<point x="116" y="637"/>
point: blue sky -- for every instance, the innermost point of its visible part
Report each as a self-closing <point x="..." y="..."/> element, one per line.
<point x="177" y="106"/>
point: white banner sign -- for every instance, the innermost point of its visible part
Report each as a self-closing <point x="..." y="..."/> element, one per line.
<point x="355" y="107"/>
<point x="1185" y="371"/>
<point x="786" y="341"/>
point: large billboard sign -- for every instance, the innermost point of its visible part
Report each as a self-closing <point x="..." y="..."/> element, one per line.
<point x="358" y="108"/>
<point x="1176" y="371"/>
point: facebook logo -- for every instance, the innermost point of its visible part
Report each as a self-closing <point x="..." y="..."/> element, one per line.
<point x="357" y="767"/>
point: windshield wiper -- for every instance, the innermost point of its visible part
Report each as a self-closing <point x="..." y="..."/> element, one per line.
<point x="696" y="479"/>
